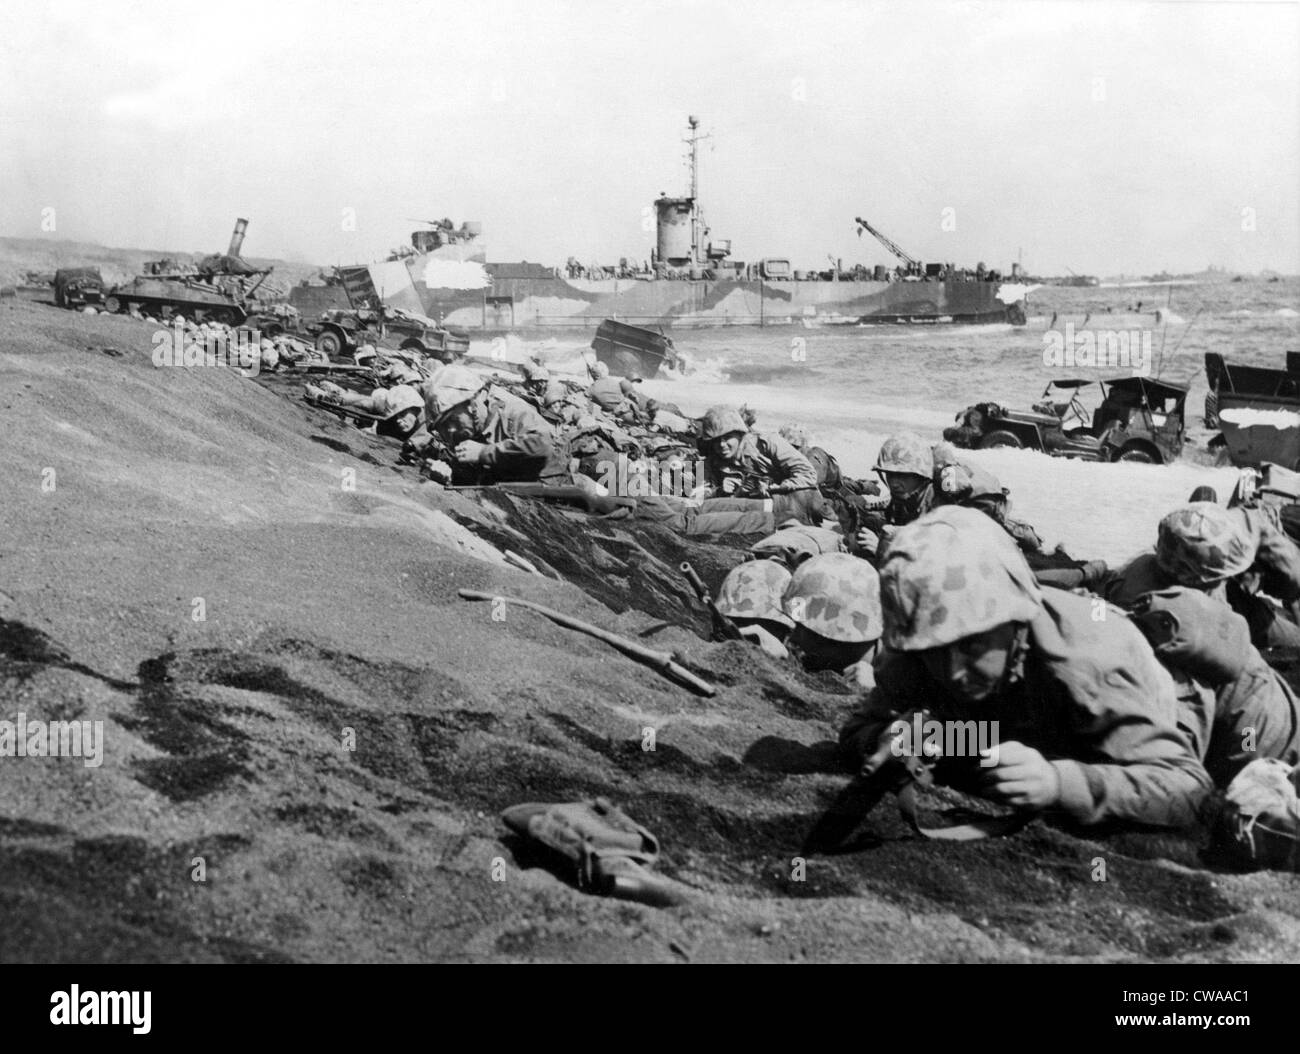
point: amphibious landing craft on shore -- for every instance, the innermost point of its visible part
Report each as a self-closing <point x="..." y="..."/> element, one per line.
<point x="690" y="280"/>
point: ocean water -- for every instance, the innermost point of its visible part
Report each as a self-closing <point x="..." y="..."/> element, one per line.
<point x="851" y="387"/>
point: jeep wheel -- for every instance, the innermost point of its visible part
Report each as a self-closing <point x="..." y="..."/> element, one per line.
<point x="330" y="343"/>
<point x="1000" y="437"/>
<point x="112" y="305"/>
<point x="1137" y="455"/>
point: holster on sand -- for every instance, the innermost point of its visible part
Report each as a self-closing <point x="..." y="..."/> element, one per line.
<point x="601" y="846"/>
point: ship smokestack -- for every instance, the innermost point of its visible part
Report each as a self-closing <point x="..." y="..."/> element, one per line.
<point x="237" y="238"/>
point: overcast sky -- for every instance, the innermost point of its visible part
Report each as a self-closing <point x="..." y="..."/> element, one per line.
<point x="1103" y="137"/>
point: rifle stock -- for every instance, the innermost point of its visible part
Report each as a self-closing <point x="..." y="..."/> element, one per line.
<point x="722" y="626"/>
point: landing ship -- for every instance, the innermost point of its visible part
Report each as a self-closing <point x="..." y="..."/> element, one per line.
<point x="690" y="280"/>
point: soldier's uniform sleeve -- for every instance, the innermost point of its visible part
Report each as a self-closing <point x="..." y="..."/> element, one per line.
<point x="1278" y="557"/>
<point x="528" y="439"/>
<point x="1254" y="716"/>
<point x="790" y="469"/>
<point x="1130" y="762"/>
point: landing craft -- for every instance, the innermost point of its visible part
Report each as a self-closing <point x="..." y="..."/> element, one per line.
<point x="689" y="280"/>
<point x="1257" y="410"/>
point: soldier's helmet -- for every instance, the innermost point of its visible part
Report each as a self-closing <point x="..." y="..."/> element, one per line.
<point x="795" y="434"/>
<point x="721" y="421"/>
<point x="448" y="387"/>
<point x="402" y="398"/>
<point x="952" y="574"/>
<point x="534" y="372"/>
<point x="598" y="370"/>
<point x="753" y="590"/>
<point x="835" y="595"/>
<point x="1204" y="543"/>
<point x="906" y="452"/>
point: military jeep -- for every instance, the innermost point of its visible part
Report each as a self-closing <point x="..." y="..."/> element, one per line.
<point x="341" y="331"/>
<point x="1139" y="419"/>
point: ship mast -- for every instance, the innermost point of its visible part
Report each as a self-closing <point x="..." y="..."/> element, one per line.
<point x="697" y="219"/>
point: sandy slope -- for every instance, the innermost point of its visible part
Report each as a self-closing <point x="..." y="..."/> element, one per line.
<point x="329" y="610"/>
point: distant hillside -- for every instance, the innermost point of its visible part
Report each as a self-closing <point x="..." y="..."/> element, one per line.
<point x="20" y="255"/>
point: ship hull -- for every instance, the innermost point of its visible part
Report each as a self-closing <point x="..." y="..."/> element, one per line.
<point x="556" y="303"/>
<point x="508" y="297"/>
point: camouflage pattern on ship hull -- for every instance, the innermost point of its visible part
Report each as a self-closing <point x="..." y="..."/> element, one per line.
<point x="522" y="303"/>
<point x="505" y="297"/>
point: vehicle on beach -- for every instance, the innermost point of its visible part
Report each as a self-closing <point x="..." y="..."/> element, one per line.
<point x="196" y="297"/>
<point x="220" y="288"/>
<point x="1139" y="419"/>
<point x="631" y="351"/>
<point x="341" y="331"/>
<point x="77" y="286"/>
<point x="1257" y="410"/>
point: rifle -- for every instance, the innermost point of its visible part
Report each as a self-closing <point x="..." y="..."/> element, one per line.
<point x="899" y="772"/>
<point x="597" y="504"/>
<point x="661" y="660"/>
<point x="723" y="627"/>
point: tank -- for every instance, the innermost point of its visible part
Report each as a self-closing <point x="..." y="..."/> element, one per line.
<point x="188" y="296"/>
<point x="673" y="217"/>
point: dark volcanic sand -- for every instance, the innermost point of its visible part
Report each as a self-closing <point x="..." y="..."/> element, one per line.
<point x="330" y="610"/>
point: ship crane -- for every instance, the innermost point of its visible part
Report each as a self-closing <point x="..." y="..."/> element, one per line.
<point x="888" y="243"/>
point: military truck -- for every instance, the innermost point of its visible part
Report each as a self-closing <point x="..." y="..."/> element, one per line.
<point x="1140" y="419"/>
<point x="77" y="286"/>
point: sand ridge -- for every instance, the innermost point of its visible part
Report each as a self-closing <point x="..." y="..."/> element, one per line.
<point x="331" y="610"/>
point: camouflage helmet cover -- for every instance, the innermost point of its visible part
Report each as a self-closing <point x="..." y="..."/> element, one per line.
<point x="753" y="590"/>
<point x="402" y="398"/>
<point x="950" y="575"/>
<point x="795" y="434"/>
<point x="837" y="596"/>
<point x="906" y="452"/>
<point x="721" y="421"/>
<point x="450" y="386"/>
<point x="1203" y="543"/>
